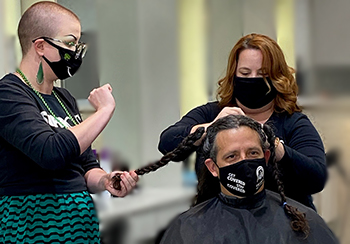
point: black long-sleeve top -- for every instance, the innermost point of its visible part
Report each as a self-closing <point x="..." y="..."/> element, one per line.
<point x="303" y="165"/>
<point x="38" y="155"/>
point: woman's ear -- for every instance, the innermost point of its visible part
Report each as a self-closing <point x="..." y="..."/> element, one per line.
<point x="39" y="46"/>
<point x="267" y="155"/>
<point x="212" y="167"/>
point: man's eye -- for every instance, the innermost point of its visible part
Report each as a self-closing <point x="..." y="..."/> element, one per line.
<point x="231" y="156"/>
<point x="254" y="153"/>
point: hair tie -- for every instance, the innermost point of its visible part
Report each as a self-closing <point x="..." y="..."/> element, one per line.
<point x="284" y="204"/>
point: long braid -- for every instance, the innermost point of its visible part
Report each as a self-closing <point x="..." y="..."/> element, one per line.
<point x="299" y="222"/>
<point x="183" y="150"/>
<point x="208" y="186"/>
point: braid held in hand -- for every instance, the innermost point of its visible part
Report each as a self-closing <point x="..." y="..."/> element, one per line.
<point x="183" y="150"/>
<point x="298" y="219"/>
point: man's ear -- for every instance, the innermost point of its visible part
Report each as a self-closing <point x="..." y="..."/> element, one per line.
<point x="39" y="46"/>
<point x="267" y="155"/>
<point x="211" y="166"/>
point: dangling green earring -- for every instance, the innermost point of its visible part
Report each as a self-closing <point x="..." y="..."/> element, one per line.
<point x="40" y="75"/>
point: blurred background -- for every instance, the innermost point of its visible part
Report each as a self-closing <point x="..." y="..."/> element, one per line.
<point x="164" y="57"/>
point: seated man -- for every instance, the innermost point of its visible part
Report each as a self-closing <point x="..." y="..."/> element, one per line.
<point x="237" y="149"/>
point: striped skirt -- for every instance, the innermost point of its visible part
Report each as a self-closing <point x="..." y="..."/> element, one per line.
<point x="48" y="218"/>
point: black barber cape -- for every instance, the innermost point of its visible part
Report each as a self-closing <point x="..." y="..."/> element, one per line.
<point x="258" y="219"/>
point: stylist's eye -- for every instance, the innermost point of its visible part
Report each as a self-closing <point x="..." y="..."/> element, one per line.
<point x="244" y="73"/>
<point x="70" y="44"/>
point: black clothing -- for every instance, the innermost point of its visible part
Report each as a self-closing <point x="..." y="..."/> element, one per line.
<point x="257" y="219"/>
<point x="303" y="166"/>
<point x="37" y="154"/>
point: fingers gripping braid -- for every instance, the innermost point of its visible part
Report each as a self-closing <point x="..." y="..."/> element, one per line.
<point x="183" y="150"/>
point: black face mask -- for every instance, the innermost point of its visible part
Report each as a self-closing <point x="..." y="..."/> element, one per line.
<point x="68" y="64"/>
<point x="243" y="178"/>
<point x="253" y="92"/>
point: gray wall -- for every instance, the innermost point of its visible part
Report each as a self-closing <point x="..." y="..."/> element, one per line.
<point x="225" y="27"/>
<point x="140" y="60"/>
<point x="330" y="46"/>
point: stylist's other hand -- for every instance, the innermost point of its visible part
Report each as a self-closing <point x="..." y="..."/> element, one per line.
<point x="127" y="183"/>
<point x="224" y="112"/>
<point x="229" y="111"/>
<point x="102" y="98"/>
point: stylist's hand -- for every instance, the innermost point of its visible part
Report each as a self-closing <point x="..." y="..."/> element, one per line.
<point x="102" y="98"/>
<point x="224" y="112"/>
<point x="127" y="183"/>
<point x="229" y="111"/>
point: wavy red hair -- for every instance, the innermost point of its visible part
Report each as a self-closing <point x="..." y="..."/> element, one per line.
<point x="273" y="66"/>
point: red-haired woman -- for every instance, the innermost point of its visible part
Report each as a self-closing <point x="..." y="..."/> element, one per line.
<point x="259" y="84"/>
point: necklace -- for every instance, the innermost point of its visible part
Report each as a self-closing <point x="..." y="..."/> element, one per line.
<point x="44" y="102"/>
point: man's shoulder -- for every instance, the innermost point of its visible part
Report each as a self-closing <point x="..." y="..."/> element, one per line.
<point x="276" y="198"/>
<point x="198" y="211"/>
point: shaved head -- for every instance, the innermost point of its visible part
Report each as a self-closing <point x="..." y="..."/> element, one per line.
<point x="41" y="19"/>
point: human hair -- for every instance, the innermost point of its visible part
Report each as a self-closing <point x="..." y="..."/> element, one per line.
<point x="274" y="66"/>
<point x="41" y="19"/>
<point x="180" y="153"/>
<point x="209" y="186"/>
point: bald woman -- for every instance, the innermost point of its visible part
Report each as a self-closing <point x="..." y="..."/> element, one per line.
<point x="47" y="167"/>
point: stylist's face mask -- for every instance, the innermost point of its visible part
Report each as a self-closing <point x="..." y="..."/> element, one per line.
<point x="243" y="178"/>
<point x="253" y="93"/>
<point x="70" y="60"/>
